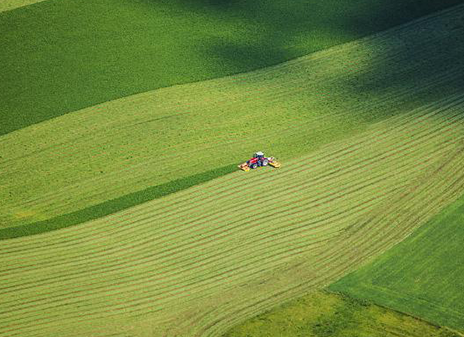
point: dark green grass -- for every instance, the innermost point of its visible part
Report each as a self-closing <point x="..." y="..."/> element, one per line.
<point x="322" y="314"/>
<point x="60" y="56"/>
<point x="112" y="206"/>
<point x="422" y="276"/>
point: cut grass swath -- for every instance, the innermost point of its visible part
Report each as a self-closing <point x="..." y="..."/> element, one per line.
<point x="176" y="258"/>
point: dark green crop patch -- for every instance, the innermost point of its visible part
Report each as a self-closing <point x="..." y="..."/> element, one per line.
<point x="61" y="56"/>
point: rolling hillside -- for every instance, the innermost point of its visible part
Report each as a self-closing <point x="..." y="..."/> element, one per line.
<point x="423" y="276"/>
<point x="126" y="146"/>
<point x="66" y="55"/>
<point x="162" y="236"/>
<point x="198" y="261"/>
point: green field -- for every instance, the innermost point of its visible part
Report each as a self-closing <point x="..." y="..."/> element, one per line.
<point x="198" y="261"/>
<point x="161" y="235"/>
<point x="59" y="62"/>
<point x="321" y="314"/>
<point x="422" y="276"/>
<point x="85" y="162"/>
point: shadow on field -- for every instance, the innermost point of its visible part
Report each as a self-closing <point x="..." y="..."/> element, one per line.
<point x="280" y="32"/>
<point x="56" y="63"/>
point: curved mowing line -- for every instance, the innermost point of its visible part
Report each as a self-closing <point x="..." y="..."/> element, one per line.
<point x="133" y="296"/>
<point x="235" y="315"/>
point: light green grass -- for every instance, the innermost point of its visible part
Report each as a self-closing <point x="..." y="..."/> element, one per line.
<point x="126" y="146"/>
<point x="199" y="261"/>
<point x="322" y="314"/>
<point x="65" y="55"/>
<point x="422" y="276"/>
<point x="8" y="5"/>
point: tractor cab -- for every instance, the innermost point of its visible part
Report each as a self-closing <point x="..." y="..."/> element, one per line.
<point x="258" y="155"/>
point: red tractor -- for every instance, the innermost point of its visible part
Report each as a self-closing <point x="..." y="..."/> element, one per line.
<point x="259" y="160"/>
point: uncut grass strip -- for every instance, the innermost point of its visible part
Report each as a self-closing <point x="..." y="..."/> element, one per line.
<point x="61" y="280"/>
<point x="163" y="272"/>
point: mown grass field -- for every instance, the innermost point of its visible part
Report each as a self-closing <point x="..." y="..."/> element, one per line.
<point x="423" y="276"/>
<point x="168" y="240"/>
<point x="201" y="260"/>
<point x="322" y="314"/>
<point x="65" y="55"/>
<point x="91" y="160"/>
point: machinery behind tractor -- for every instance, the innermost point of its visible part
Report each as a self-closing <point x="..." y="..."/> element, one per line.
<point x="259" y="160"/>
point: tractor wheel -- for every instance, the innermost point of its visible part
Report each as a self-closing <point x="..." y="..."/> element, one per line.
<point x="253" y="166"/>
<point x="265" y="162"/>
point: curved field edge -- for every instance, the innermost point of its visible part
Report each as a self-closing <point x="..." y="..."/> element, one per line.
<point x="422" y="276"/>
<point x="324" y="314"/>
<point x="54" y="65"/>
<point x="114" y="205"/>
<point x="122" y="147"/>
<point x="8" y="5"/>
<point x="195" y="263"/>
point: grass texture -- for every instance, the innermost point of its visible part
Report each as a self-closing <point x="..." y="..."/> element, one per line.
<point x="422" y="276"/>
<point x="199" y="261"/>
<point x="322" y="314"/>
<point x="8" y="5"/>
<point x="128" y="146"/>
<point x="65" y="55"/>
